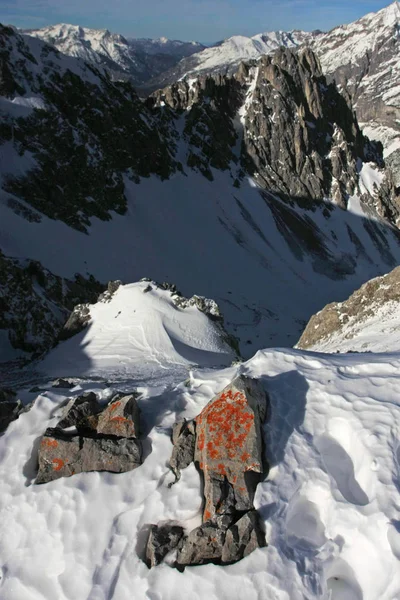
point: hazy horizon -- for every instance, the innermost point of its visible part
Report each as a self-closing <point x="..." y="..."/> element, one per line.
<point x="201" y="20"/>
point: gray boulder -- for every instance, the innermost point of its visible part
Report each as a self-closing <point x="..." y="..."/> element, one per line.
<point x="203" y="545"/>
<point x="184" y="440"/>
<point x="162" y="539"/>
<point x="61" y="455"/>
<point x="79" y="411"/>
<point x="242" y="538"/>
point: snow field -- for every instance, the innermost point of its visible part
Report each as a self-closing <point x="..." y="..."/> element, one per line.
<point x="330" y="502"/>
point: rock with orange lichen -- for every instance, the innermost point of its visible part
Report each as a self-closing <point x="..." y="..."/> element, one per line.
<point x="229" y="448"/>
<point x="63" y="455"/>
<point x="121" y="417"/>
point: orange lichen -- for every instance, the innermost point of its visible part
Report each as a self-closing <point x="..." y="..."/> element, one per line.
<point x="49" y="443"/>
<point x="224" y="426"/>
<point x="207" y="515"/>
<point x="58" y="464"/>
<point x="115" y="405"/>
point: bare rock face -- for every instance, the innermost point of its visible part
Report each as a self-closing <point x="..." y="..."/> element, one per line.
<point x="342" y="326"/>
<point x="61" y="455"/>
<point x="79" y="410"/>
<point x="242" y="538"/>
<point x="162" y="540"/>
<point x="225" y="441"/>
<point x="106" y="440"/>
<point x="10" y="408"/>
<point x="229" y="445"/>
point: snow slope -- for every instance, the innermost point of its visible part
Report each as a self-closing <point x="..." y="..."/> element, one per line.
<point x="330" y="503"/>
<point x="146" y="333"/>
<point x="368" y="321"/>
<point x="221" y="242"/>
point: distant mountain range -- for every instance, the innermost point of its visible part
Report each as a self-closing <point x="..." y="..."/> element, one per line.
<point x="138" y="59"/>
<point x="362" y="57"/>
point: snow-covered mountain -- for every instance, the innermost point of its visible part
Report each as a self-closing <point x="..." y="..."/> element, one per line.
<point x="363" y="58"/>
<point x="129" y="187"/>
<point x="260" y="191"/>
<point x="228" y="54"/>
<point x="140" y="59"/>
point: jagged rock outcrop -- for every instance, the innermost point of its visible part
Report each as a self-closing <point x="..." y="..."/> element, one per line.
<point x="104" y="439"/>
<point x="226" y="442"/>
<point x="10" y="408"/>
<point x="367" y="320"/>
<point x="299" y="137"/>
<point x="80" y="315"/>
<point x="362" y="58"/>
<point x="28" y="296"/>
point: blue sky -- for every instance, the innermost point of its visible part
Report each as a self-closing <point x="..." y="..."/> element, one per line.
<point x="203" y="20"/>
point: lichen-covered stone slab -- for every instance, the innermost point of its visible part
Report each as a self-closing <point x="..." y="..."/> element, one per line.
<point x="61" y="455"/>
<point x="120" y="418"/>
<point x="162" y="540"/>
<point x="229" y="446"/>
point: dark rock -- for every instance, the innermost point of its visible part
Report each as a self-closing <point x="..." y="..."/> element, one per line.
<point x="184" y="440"/>
<point x="79" y="410"/>
<point x="203" y="545"/>
<point x="9" y="411"/>
<point x="242" y="538"/>
<point x="61" y="455"/>
<point x="63" y="383"/>
<point x="77" y="321"/>
<point x="7" y="395"/>
<point x="162" y="539"/>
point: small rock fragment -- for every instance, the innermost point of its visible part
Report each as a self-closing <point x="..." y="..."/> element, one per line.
<point x="242" y="538"/>
<point x="184" y="440"/>
<point x="63" y="383"/>
<point x="203" y="545"/>
<point x="162" y="539"/>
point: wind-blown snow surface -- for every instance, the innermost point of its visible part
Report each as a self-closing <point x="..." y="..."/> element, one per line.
<point x="255" y="258"/>
<point x="141" y="331"/>
<point x="330" y="503"/>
